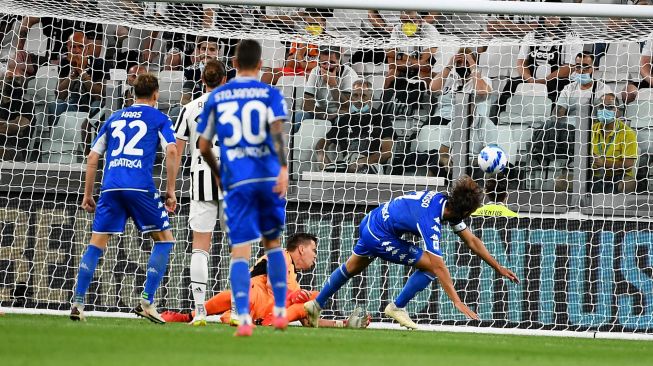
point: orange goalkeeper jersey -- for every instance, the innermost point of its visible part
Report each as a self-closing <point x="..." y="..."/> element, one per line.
<point x="259" y="275"/>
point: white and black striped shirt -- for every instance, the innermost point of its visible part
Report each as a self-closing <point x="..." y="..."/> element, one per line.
<point x="203" y="185"/>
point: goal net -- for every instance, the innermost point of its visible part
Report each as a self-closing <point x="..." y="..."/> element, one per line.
<point x="382" y="103"/>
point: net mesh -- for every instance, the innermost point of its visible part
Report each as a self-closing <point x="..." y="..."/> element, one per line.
<point x="439" y="88"/>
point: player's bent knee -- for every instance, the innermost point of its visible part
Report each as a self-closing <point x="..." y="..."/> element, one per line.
<point x="202" y="240"/>
<point x="241" y="251"/>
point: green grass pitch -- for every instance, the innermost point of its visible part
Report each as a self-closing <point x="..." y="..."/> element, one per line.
<point x="54" y="340"/>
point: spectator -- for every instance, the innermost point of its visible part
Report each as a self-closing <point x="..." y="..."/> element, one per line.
<point x="16" y="117"/>
<point x="576" y="101"/>
<point x="496" y="192"/>
<point x="57" y="32"/>
<point x="230" y="18"/>
<point x="577" y="97"/>
<point x="328" y="89"/>
<point x="410" y="62"/>
<point x="382" y="22"/>
<point x="460" y="74"/>
<point x="81" y="79"/>
<point x="362" y="136"/>
<point x="302" y="57"/>
<point x="614" y="150"/>
<point x="545" y="64"/>
<point x="206" y="49"/>
<point x="132" y="74"/>
<point x="646" y="72"/>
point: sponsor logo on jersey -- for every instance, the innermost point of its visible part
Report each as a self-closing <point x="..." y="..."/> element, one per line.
<point x="126" y="163"/>
<point x="248" y="152"/>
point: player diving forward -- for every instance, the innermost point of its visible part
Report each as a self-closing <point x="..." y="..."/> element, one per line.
<point x="205" y="192"/>
<point x="247" y="116"/>
<point x="422" y="214"/>
<point x="130" y="139"/>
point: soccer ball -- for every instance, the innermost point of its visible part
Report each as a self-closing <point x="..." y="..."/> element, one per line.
<point x="492" y="159"/>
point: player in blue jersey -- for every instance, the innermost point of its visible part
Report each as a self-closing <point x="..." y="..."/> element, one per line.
<point x="248" y="117"/>
<point x="421" y="214"/>
<point x="129" y="140"/>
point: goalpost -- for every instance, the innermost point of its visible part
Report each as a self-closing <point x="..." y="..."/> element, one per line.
<point x="582" y="247"/>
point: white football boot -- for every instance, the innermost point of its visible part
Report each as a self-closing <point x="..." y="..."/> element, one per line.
<point x="400" y="315"/>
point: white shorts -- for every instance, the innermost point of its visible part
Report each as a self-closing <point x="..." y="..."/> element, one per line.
<point x="203" y="216"/>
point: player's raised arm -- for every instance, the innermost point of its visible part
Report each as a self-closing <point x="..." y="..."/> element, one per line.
<point x="476" y="245"/>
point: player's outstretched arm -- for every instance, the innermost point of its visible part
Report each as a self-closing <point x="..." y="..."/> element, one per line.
<point x="276" y="131"/>
<point x="172" y="167"/>
<point x="88" y="203"/>
<point x="441" y="271"/>
<point x="206" y="149"/>
<point x="476" y="245"/>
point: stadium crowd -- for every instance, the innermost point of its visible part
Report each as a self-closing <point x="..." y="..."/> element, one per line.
<point x="410" y="110"/>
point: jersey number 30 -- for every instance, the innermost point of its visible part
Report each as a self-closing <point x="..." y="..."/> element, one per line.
<point x="242" y="128"/>
<point x="130" y="147"/>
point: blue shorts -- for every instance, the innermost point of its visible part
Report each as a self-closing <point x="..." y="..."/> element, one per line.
<point x="252" y="210"/>
<point x="386" y="247"/>
<point x="115" y="207"/>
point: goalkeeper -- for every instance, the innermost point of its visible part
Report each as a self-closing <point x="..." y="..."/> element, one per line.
<point x="300" y="254"/>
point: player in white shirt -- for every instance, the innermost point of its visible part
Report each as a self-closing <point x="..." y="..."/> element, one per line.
<point x="205" y="192"/>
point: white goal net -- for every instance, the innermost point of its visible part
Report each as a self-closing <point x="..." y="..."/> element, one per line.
<point x="382" y="103"/>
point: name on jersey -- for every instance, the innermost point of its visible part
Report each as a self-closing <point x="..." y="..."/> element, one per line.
<point x="244" y="93"/>
<point x="131" y="114"/>
<point x="426" y="200"/>
<point x="126" y="163"/>
<point x="248" y="152"/>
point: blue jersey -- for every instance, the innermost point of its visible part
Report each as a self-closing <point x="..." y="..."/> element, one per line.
<point x="130" y="138"/>
<point x="240" y="112"/>
<point x="418" y="213"/>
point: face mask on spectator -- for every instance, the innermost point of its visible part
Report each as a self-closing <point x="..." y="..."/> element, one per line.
<point x="606" y="116"/>
<point x="409" y="28"/>
<point x="314" y="29"/>
<point x="583" y="78"/>
<point x="462" y="71"/>
<point x="354" y="109"/>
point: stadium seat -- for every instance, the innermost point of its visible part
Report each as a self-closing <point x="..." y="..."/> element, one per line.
<point x="65" y="136"/>
<point x="377" y="82"/>
<point x="36" y="42"/>
<point x="292" y="88"/>
<point x="620" y="62"/>
<point x="310" y="132"/>
<point x="346" y="22"/>
<point x="514" y="140"/>
<point x="640" y="115"/>
<point x="431" y="137"/>
<point x="498" y="61"/>
<point x="529" y="104"/>
<point x="41" y="89"/>
<point x="118" y="74"/>
<point x="274" y="53"/>
<point x="170" y="88"/>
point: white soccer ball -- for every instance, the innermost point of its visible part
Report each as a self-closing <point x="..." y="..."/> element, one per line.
<point x="492" y="159"/>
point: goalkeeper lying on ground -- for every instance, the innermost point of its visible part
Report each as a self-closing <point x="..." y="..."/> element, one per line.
<point x="300" y="254"/>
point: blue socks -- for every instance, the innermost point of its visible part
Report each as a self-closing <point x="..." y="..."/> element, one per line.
<point x="87" y="266"/>
<point x="277" y="273"/>
<point x="338" y="278"/>
<point x="239" y="277"/>
<point x="417" y="282"/>
<point x="156" y="268"/>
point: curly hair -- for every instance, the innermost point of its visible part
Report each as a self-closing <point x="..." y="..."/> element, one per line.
<point x="465" y="196"/>
<point x="496" y="187"/>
